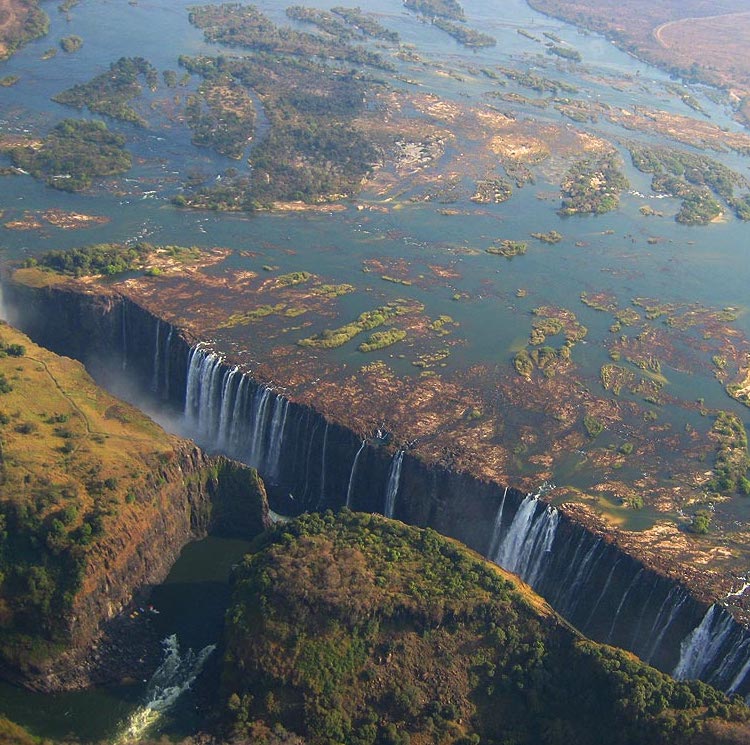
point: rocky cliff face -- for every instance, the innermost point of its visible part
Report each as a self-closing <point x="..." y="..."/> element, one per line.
<point x="311" y="463"/>
<point x="96" y="503"/>
<point x="193" y="495"/>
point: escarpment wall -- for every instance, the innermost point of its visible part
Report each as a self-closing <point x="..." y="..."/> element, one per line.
<point x="310" y="463"/>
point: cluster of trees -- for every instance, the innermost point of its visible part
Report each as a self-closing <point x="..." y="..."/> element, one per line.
<point x="73" y="153"/>
<point x="111" y="92"/>
<point x="246" y="26"/>
<point x="312" y="152"/>
<point x="393" y="634"/>
<point x="694" y="178"/>
<point x="437" y="8"/>
<point x="732" y="461"/>
<point x="469" y="37"/>
<point x="101" y="258"/>
<point x="593" y="186"/>
<point x="221" y="116"/>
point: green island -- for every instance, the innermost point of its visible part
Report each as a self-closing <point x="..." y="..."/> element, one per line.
<point x="73" y="154"/>
<point x="9" y="80"/>
<point x="732" y="461"/>
<point x="332" y="338"/>
<point x="353" y="628"/>
<point x="325" y="20"/>
<point x="246" y="26"/>
<point x="381" y="340"/>
<point x="698" y="180"/>
<point x="537" y="82"/>
<point x="507" y="248"/>
<point x="437" y="8"/>
<point x="314" y="152"/>
<point x="469" y="37"/>
<point x="593" y="186"/>
<point x="221" y="116"/>
<point x="71" y="43"/>
<point x="568" y="53"/>
<point x="551" y="237"/>
<point x="111" y="92"/>
<point x="365" y="23"/>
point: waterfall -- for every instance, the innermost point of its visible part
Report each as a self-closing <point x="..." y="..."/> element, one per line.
<point x="394" y="476"/>
<point x="157" y="359"/>
<point x="602" y="593"/>
<point x="739" y="677"/>
<point x="167" y="358"/>
<point x="497" y="530"/>
<point x="622" y="602"/>
<point x="208" y="398"/>
<point x="701" y="646"/>
<point x="509" y="551"/>
<point x="124" y="331"/>
<point x="275" y="437"/>
<point x="323" y="468"/>
<point x="528" y="540"/>
<point x="174" y="676"/>
<point x="258" y="418"/>
<point x="675" y="609"/>
<point x="637" y="631"/>
<point x="192" y="387"/>
<point x="237" y="433"/>
<point x="540" y="545"/>
<point x="224" y="432"/>
<point x="353" y="473"/>
<point x="584" y="574"/>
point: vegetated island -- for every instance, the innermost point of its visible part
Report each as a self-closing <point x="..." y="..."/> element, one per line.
<point x="111" y="92"/>
<point x="317" y="149"/>
<point x="20" y="22"/>
<point x="73" y="154"/>
<point x="354" y="628"/>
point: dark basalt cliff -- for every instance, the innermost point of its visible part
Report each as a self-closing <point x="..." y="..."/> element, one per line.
<point x="659" y="610"/>
<point x="96" y="504"/>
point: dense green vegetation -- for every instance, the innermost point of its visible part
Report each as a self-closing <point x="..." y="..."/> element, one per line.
<point x="732" y="461"/>
<point x="358" y="629"/>
<point x="567" y="53"/>
<point x="246" y="26"/>
<point x="508" y="248"/>
<point x="111" y="92"/>
<point x="73" y="154"/>
<point x="437" y="8"/>
<point x="593" y="185"/>
<point x="102" y="258"/>
<point x="469" y="37"/>
<point x="382" y="339"/>
<point x="221" y="116"/>
<point x="365" y="23"/>
<point x="313" y="151"/>
<point x="694" y="178"/>
<point x="64" y="479"/>
<point x="332" y="338"/>
<point x="323" y="19"/>
<point x="71" y="43"/>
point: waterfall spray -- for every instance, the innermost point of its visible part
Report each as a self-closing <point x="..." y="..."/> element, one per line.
<point x="353" y="473"/>
<point x="394" y="476"/>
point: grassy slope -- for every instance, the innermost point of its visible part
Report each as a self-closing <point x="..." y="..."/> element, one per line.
<point x="76" y="465"/>
<point x="357" y="629"/>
